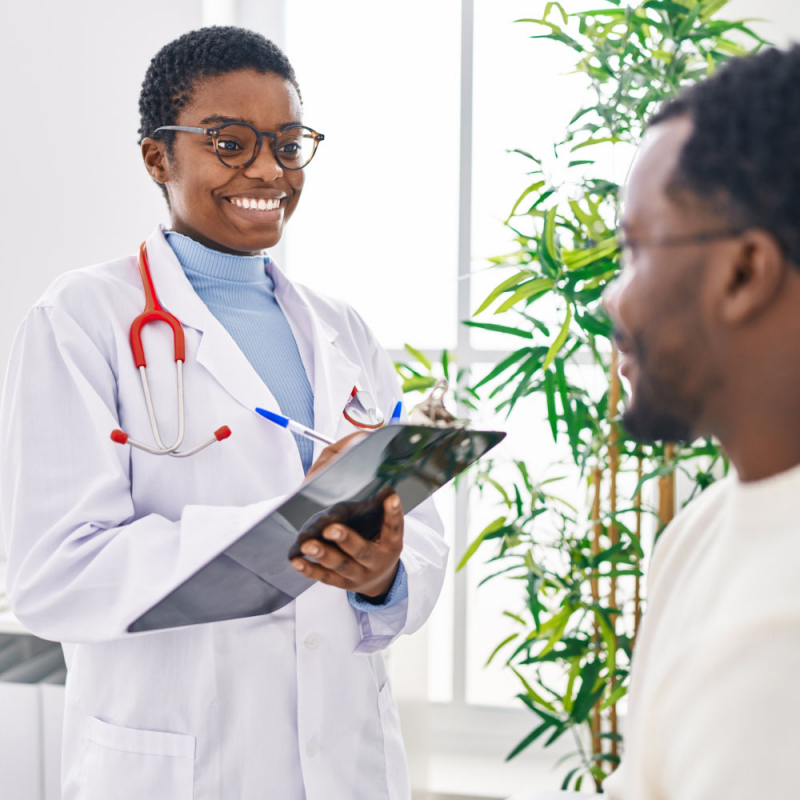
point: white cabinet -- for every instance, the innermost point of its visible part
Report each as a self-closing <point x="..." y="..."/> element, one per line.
<point x="32" y="675"/>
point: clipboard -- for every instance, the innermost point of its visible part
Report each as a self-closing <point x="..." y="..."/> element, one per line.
<point x="253" y="576"/>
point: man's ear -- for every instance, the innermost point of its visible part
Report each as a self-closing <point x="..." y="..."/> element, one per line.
<point x="750" y="282"/>
<point x="154" y="155"/>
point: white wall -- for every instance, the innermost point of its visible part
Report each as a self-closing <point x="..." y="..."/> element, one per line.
<point x="778" y="21"/>
<point x="74" y="188"/>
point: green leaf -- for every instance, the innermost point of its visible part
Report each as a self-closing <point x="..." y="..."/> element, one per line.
<point x="609" y="639"/>
<point x="488" y="326"/>
<point x="595" y="326"/>
<point x="659" y="472"/>
<point x="568" y="778"/>
<point x="552" y="414"/>
<point x="566" y="407"/>
<point x="730" y="48"/>
<point x="526" y="154"/>
<point x="528" y="740"/>
<point x="532" y="694"/>
<point x="548" y="251"/>
<point x="504" y="365"/>
<point x="472" y="549"/>
<point x="619" y="692"/>
<point x="446" y="364"/>
<point x="576" y="259"/>
<point x="592" y="142"/>
<point x="560" y="340"/>
<point x="574" y="671"/>
<point x="587" y="695"/>
<point x="498" y="290"/>
<point x="710" y="7"/>
<point x="538" y="286"/>
<point x="500" y="647"/>
<point x="421" y="357"/>
<point x="418" y="384"/>
<point x="557" y="5"/>
<point x="534" y="187"/>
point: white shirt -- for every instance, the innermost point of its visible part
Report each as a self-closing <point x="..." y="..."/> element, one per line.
<point x="715" y="693"/>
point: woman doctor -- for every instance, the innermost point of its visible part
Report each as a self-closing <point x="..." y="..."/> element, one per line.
<point x="295" y="705"/>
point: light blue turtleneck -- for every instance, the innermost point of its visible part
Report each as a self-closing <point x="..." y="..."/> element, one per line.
<point x="241" y="295"/>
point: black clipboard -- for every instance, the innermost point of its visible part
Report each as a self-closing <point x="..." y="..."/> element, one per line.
<point x="253" y="576"/>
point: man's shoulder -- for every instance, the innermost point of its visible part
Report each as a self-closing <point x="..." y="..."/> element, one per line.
<point x="695" y="518"/>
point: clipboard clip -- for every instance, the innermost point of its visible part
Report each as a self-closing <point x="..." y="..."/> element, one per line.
<point x="431" y="412"/>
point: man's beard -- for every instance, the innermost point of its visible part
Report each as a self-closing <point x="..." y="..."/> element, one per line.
<point x="650" y="420"/>
<point x="659" y="412"/>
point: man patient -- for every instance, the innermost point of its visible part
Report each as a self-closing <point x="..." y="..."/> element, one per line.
<point x="707" y="315"/>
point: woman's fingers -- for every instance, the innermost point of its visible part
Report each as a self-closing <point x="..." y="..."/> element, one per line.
<point x="315" y="572"/>
<point x="391" y="536"/>
<point x="355" y="546"/>
<point x="332" y="559"/>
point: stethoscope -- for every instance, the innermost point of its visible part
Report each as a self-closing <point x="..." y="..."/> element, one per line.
<point x="359" y="411"/>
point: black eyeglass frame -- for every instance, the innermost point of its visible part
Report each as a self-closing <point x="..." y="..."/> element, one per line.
<point x="214" y="133"/>
<point x="679" y="241"/>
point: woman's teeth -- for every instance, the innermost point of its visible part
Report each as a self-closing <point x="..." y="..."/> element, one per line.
<point x="259" y="204"/>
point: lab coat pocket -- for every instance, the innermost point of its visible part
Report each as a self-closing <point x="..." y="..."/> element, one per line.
<point x="131" y="764"/>
<point x="396" y="767"/>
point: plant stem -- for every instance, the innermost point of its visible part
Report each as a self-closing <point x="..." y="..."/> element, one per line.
<point x="597" y="742"/>
<point x="613" y="464"/>
<point x="666" y="489"/>
<point x="637" y="597"/>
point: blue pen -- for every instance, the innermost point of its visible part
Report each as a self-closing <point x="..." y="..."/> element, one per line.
<point x="397" y="413"/>
<point x="294" y="427"/>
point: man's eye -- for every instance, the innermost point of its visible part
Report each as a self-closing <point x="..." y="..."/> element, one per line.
<point x="290" y="149"/>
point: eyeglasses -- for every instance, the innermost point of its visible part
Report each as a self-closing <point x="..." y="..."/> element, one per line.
<point x="237" y="144"/>
<point x="628" y="247"/>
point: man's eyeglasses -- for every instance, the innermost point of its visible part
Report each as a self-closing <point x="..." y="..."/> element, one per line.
<point x="628" y="247"/>
<point x="237" y="144"/>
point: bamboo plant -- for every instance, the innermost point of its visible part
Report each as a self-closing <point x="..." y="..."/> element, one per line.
<point x="579" y="569"/>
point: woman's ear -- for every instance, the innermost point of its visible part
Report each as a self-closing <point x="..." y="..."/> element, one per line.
<point x="154" y="155"/>
<point x="753" y="279"/>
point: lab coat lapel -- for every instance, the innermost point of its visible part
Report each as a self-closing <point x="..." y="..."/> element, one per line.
<point x="332" y="374"/>
<point x="217" y="352"/>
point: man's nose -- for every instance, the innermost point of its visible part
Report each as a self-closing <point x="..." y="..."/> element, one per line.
<point x="611" y="298"/>
<point x="612" y="293"/>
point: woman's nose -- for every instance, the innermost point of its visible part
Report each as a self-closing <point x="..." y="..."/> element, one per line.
<point x="265" y="166"/>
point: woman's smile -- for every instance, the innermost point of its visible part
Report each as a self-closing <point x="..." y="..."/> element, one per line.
<point x="261" y="206"/>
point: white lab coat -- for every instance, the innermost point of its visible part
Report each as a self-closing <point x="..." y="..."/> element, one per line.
<point x="288" y="706"/>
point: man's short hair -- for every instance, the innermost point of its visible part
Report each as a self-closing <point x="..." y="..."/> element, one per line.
<point x="743" y="154"/>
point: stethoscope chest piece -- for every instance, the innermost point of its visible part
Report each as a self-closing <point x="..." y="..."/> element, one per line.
<point x="362" y="412"/>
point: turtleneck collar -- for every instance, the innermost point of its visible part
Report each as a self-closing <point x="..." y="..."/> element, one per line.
<point x="197" y="258"/>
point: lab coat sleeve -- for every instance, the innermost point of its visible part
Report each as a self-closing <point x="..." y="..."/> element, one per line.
<point x="424" y="555"/>
<point x="80" y="568"/>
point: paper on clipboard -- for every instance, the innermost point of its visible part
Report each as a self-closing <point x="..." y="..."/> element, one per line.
<point x="253" y="576"/>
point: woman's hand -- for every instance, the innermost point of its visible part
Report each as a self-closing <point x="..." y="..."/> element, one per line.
<point x="352" y="562"/>
<point x="333" y="451"/>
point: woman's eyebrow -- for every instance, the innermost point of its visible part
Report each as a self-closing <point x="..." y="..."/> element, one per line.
<point x="221" y="118"/>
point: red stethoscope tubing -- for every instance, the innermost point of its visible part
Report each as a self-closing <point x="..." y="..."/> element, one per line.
<point x="154" y="312"/>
